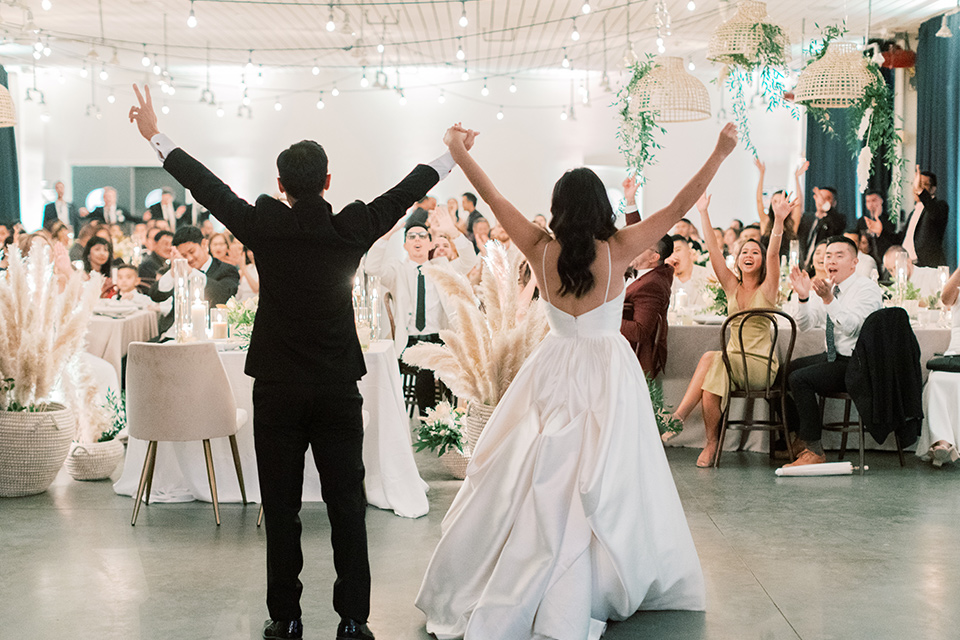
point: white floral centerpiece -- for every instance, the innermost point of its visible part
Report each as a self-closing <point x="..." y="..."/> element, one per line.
<point x="241" y="316"/>
<point x="440" y="430"/>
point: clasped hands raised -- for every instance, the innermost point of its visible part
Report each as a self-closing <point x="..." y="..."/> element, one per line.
<point x="801" y="282"/>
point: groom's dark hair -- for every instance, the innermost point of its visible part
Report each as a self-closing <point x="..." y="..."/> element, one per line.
<point x="303" y="169"/>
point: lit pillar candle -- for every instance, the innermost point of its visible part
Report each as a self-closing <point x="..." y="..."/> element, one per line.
<point x="198" y="315"/>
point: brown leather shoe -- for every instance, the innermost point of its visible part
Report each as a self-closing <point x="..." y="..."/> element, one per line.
<point x="807" y="457"/>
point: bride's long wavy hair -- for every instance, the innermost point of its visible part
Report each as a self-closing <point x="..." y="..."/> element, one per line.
<point x="581" y="213"/>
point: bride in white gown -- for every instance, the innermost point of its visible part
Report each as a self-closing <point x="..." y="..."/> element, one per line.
<point x="569" y="515"/>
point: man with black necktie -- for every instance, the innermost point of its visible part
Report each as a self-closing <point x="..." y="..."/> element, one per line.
<point x="823" y="223"/>
<point x="842" y="302"/>
<point x="167" y="209"/>
<point x="304" y="356"/>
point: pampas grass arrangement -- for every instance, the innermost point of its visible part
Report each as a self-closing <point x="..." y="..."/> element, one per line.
<point x="488" y="344"/>
<point x="42" y="329"/>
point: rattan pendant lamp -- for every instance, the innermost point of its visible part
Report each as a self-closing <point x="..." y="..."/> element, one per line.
<point x="837" y="80"/>
<point x="7" y="117"/>
<point x="739" y="37"/>
<point x="671" y="92"/>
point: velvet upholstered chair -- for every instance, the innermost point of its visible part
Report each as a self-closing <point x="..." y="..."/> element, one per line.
<point x="180" y="393"/>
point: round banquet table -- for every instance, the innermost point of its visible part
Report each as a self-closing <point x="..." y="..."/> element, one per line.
<point x="109" y="337"/>
<point x="392" y="479"/>
<point x="686" y="344"/>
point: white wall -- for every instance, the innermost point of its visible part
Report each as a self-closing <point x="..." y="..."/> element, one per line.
<point x="372" y="141"/>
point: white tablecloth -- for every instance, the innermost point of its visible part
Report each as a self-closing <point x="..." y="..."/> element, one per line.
<point x="108" y="338"/>
<point x="392" y="480"/>
<point x="686" y="344"/>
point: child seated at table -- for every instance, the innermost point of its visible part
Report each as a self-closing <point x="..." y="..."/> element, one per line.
<point x="127" y="281"/>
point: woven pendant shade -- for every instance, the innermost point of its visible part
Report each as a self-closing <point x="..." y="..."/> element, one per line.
<point x="671" y="92"/>
<point x="738" y="36"/>
<point x="837" y="80"/>
<point x="7" y="117"/>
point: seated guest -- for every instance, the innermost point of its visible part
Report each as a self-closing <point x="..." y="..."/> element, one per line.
<point x="139" y="235"/>
<point x="686" y="229"/>
<point x="841" y="303"/>
<point x="108" y="212"/>
<point x="481" y="235"/>
<point x="219" y="247"/>
<point x="688" y="277"/>
<point x="825" y="222"/>
<point x="249" y="277"/>
<point x="879" y="229"/>
<point x="166" y="210"/>
<point x="162" y="243"/>
<point x="86" y="232"/>
<point x="818" y="270"/>
<point x="420" y="310"/>
<point x="221" y="280"/>
<point x="60" y="233"/>
<point x="127" y="283"/>
<point x="98" y="258"/>
<point x="751" y="232"/>
<point x="730" y="238"/>
<point x="940" y="431"/>
<point x="866" y="265"/>
<point x="926" y="279"/>
<point x="755" y="284"/>
<point x="61" y="210"/>
<point x="207" y="227"/>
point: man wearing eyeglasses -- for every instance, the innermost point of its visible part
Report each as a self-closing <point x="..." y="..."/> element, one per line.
<point x="420" y="309"/>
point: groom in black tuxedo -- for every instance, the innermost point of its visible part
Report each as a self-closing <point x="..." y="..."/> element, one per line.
<point x="304" y="355"/>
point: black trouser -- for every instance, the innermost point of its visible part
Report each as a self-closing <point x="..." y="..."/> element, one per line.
<point x="426" y="387"/>
<point x="808" y="377"/>
<point x="286" y="418"/>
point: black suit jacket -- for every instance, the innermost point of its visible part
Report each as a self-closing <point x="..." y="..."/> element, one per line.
<point x="878" y="244"/>
<point x="149" y="267"/>
<point x="50" y="216"/>
<point x="156" y="213"/>
<point x="307" y="258"/>
<point x="931" y="229"/>
<point x="97" y="214"/>
<point x="223" y="280"/>
<point x="832" y="224"/>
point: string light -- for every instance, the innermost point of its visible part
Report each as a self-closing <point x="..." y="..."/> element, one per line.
<point x="192" y="19"/>
<point x="691" y="6"/>
<point x="37" y="55"/>
<point x="316" y="69"/>
<point x="249" y="65"/>
<point x="246" y="99"/>
<point x="403" y="98"/>
<point x="363" y="79"/>
<point x="566" y="61"/>
<point x="103" y="73"/>
<point x="320" y="104"/>
<point x="563" y="115"/>
<point x="46" y="5"/>
<point x="335" y="92"/>
<point x="380" y="48"/>
<point x="165" y="109"/>
<point x="157" y="69"/>
<point x="466" y="74"/>
<point x="575" y="35"/>
<point x="691" y="66"/>
<point x="513" y="86"/>
<point x="47" y="50"/>
<point x="586" y="7"/>
<point x="500" y="113"/>
<point x="463" y="14"/>
<point x="145" y="60"/>
<point x="484" y="92"/>
<point x="220" y="112"/>
<point x="111" y="98"/>
<point x="441" y="98"/>
<point x="331" y="25"/>
<point x="278" y="106"/>
<point x="83" y="71"/>
<point x="460" y="54"/>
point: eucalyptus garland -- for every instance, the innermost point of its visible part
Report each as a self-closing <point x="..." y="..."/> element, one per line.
<point x="875" y="130"/>
<point x="637" y="128"/>
<point x="770" y="59"/>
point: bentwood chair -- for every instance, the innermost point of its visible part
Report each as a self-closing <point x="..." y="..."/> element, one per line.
<point x="847" y="426"/>
<point x="773" y="388"/>
<point x="180" y="393"/>
<point x="408" y="375"/>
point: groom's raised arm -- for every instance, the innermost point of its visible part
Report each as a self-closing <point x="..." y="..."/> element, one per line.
<point x="234" y="212"/>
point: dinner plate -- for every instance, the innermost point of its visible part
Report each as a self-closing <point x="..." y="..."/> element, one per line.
<point x="709" y="319"/>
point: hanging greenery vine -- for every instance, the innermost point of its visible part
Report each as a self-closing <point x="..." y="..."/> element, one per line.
<point x="875" y="132"/>
<point x="637" y="128"/>
<point x="770" y="60"/>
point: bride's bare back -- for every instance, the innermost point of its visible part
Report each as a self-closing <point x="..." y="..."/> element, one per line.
<point x="606" y="285"/>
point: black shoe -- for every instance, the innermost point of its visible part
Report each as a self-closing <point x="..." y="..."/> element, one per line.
<point x="353" y="630"/>
<point x="282" y="630"/>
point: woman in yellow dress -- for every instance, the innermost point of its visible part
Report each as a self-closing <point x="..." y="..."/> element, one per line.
<point x="755" y="285"/>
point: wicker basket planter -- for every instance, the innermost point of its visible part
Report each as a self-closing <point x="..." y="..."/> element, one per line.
<point x="456" y="463"/>
<point x="33" y="446"/>
<point x="477" y="416"/>
<point x="94" y="460"/>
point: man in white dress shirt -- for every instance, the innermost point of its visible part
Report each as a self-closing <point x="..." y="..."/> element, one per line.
<point x="841" y="303"/>
<point x="109" y="213"/>
<point x="926" y="279"/>
<point x="688" y="276"/>
<point x="61" y="210"/>
<point x="420" y="310"/>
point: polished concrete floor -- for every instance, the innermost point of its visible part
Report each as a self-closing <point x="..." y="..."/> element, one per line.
<point x="844" y="557"/>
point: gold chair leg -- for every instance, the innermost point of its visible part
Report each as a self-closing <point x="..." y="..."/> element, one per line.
<point x="896" y="439"/>
<point x="786" y="429"/>
<point x="153" y="466"/>
<point x="236" y="463"/>
<point x="213" y="480"/>
<point x="146" y="473"/>
<point x="845" y="433"/>
<point x="260" y="516"/>
<point x="862" y="438"/>
<point x="723" y="434"/>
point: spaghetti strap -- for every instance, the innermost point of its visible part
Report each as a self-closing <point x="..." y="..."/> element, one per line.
<point x="543" y="270"/>
<point x="609" y="272"/>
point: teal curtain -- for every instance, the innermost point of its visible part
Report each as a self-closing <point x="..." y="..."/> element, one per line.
<point x="832" y="165"/>
<point x="9" y="175"/>
<point x="938" y="117"/>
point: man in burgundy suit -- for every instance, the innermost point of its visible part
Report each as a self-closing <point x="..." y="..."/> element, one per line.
<point x="647" y="299"/>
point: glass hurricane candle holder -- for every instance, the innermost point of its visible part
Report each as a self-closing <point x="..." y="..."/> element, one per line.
<point x="218" y="324"/>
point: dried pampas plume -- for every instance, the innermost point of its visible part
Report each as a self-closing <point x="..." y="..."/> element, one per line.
<point x="485" y="349"/>
<point x="42" y="328"/>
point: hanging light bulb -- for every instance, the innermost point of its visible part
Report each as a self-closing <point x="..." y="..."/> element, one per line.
<point x="484" y="92"/>
<point x="563" y="115"/>
<point x="37" y="55"/>
<point x="441" y="98"/>
<point x="192" y="18"/>
<point x="103" y="73"/>
<point x="380" y="48"/>
<point x="45" y="117"/>
<point x="38" y="45"/>
<point x="463" y="14"/>
<point x="220" y="112"/>
<point x="316" y="69"/>
<point x="320" y="104"/>
<point x="260" y="75"/>
<point x="249" y="65"/>
<point x="363" y="79"/>
<point x="574" y="35"/>
<point x="466" y="74"/>
<point x="331" y="25"/>
<point x="83" y="71"/>
<point x="246" y="99"/>
<point x="691" y="66"/>
<point x="46" y="5"/>
<point x="111" y="98"/>
<point x="335" y="91"/>
<point x="403" y="99"/>
<point x="172" y="89"/>
<point x="277" y="106"/>
<point x="586" y="7"/>
<point x="157" y="69"/>
<point x="500" y="113"/>
<point x="513" y="86"/>
<point x="47" y="50"/>
<point x="691" y="6"/>
<point x="145" y="60"/>
<point x="460" y="54"/>
<point x="165" y="109"/>
<point x="566" y="61"/>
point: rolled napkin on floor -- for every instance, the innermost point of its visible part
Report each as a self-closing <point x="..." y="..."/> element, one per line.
<point x="825" y="469"/>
